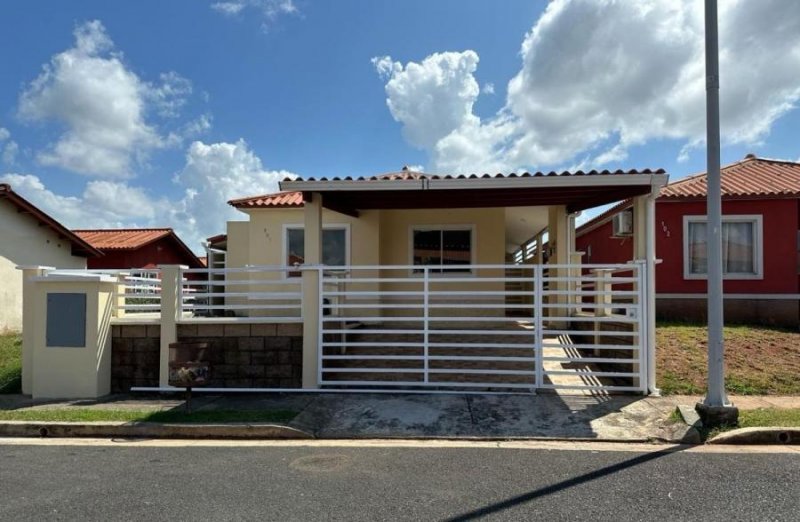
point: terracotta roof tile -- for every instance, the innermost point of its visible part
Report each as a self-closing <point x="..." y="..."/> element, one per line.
<point x="278" y="200"/>
<point x="122" y="239"/>
<point x="750" y="177"/>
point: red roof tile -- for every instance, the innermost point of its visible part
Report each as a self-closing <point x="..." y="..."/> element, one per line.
<point x="750" y="177"/>
<point x="122" y="238"/>
<point x="278" y="200"/>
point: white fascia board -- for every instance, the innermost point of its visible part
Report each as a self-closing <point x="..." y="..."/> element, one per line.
<point x="560" y="181"/>
<point x="607" y="180"/>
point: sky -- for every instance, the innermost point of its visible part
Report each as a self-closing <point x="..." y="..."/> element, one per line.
<point x="156" y="113"/>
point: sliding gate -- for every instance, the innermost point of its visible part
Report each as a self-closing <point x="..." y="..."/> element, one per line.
<point x="499" y="328"/>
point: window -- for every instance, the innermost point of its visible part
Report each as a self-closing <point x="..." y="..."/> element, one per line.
<point x="442" y="247"/>
<point x="741" y="247"/>
<point x="334" y="246"/>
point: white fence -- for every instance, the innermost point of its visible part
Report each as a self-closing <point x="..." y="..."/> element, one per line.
<point x="255" y="292"/>
<point x="456" y="327"/>
<point x="483" y="326"/>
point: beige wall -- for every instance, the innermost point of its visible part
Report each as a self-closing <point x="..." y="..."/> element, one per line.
<point x="24" y="242"/>
<point x="72" y="372"/>
<point x="377" y="237"/>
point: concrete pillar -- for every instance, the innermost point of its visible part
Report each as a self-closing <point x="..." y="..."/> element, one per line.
<point x="539" y="258"/>
<point x="29" y="321"/>
<point x="171" y="301"/>
<point x="119" y="295"/>
<point x="558" y="241"/>
<point x="311" y="298"/>
<point x="71" y="360"/>
<point x="640" y="230"/>
<point x="575" y="271"/>
<point x="650" y="252"/>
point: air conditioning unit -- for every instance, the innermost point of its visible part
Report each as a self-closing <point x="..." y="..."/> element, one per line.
<point x="623" y="224"/>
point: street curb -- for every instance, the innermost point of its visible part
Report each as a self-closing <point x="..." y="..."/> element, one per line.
<point x="150" y="430"/>
<point x="782" y="436"/>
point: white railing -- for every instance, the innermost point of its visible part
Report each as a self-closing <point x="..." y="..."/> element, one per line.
<point x="432" y="327"/>
<point x="483" y="326"/>
<point x="138" y="292"/>
<point x="594" y="332"/>
<point x="257" y="293"/>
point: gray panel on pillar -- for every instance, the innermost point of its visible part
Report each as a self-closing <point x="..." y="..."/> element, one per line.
<point x="66" y="320"/>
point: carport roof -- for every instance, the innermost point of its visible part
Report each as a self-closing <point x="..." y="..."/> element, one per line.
<point x="410" y="189"/>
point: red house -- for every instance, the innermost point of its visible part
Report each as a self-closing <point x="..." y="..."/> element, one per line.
<point x="138" y="248"/>
<point x="760" y="243"/>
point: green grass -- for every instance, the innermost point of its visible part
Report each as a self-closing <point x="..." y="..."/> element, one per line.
<point x="760" y="418"/>
<point x="10" y="363"/>
<point x="176" y="415"/>
<point x="759" y="360"/>
<point x="765" y="417"/>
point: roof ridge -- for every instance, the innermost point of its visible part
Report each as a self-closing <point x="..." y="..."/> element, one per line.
<point x="146" y="229"/>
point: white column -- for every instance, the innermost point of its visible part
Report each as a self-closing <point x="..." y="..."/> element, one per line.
<point x="29" y="321"/>
<point x="558" y="242"/>
<point x="650" y="256"/>
<point x="311" y="286"/>
<point x="171" y="300"/>
<point x="640" y="229"/>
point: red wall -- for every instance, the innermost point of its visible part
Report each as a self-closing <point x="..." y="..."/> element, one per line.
<point x="163" y="251"/>
<point x="781" y="219"/>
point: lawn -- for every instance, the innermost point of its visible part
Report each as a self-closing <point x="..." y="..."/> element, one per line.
<point x="177" y="415"/>
<point x="10" y="363"/>
<point x="759" y="360"/>
<point x="782" y="418"/>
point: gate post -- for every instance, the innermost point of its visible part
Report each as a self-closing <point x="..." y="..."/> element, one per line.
<point x="171" y="309"/>
<point x="312" y="279"/>
<point x="29" y="322"/>
<point x="538" y="342"/>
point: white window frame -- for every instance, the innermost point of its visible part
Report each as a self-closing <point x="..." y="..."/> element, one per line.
<point x="758" y="244"/>
<point x="427" y="228"/>
<point x="329" y="226"/>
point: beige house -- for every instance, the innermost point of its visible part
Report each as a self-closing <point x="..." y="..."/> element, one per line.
<point x="446" y="257"/>
<point x="29" y="237"/>
<point x="403" y="281"/>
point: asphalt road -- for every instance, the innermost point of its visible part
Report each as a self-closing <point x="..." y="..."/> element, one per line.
<point x="337" y="483"/>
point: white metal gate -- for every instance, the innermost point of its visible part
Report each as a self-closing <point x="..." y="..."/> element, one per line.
<point x="483" y="327"/>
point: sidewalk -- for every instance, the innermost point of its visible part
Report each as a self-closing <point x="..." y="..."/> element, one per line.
<point x="365" y="415"/>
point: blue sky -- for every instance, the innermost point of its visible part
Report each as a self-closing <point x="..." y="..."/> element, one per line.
<point x="153" y="113"/>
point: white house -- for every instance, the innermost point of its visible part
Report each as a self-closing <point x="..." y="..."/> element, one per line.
<point x="28" y="236"/>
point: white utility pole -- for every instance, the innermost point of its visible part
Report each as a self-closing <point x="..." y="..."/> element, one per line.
<point x="716" y="402"/>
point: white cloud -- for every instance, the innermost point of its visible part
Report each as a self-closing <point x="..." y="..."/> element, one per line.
<point x="102" y="106"/>
<point x="10" y="151"/>
<point x="488" y="88"/>
<point x="270" y="10"/>
<point x="432" y="98"/>
<point x="9" y="147"/>
<point x="102" y="203"/>
<point x="607" y="75"/>
<point x="213" y="174"/>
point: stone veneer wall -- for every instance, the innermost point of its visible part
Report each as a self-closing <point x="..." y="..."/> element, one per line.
<point x="241" y="355"/>
<point x="251" y="355"/>
<point x="134" y="356"/>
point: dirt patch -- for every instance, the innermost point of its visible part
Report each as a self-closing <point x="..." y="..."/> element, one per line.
<point x="759" y="360"/>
